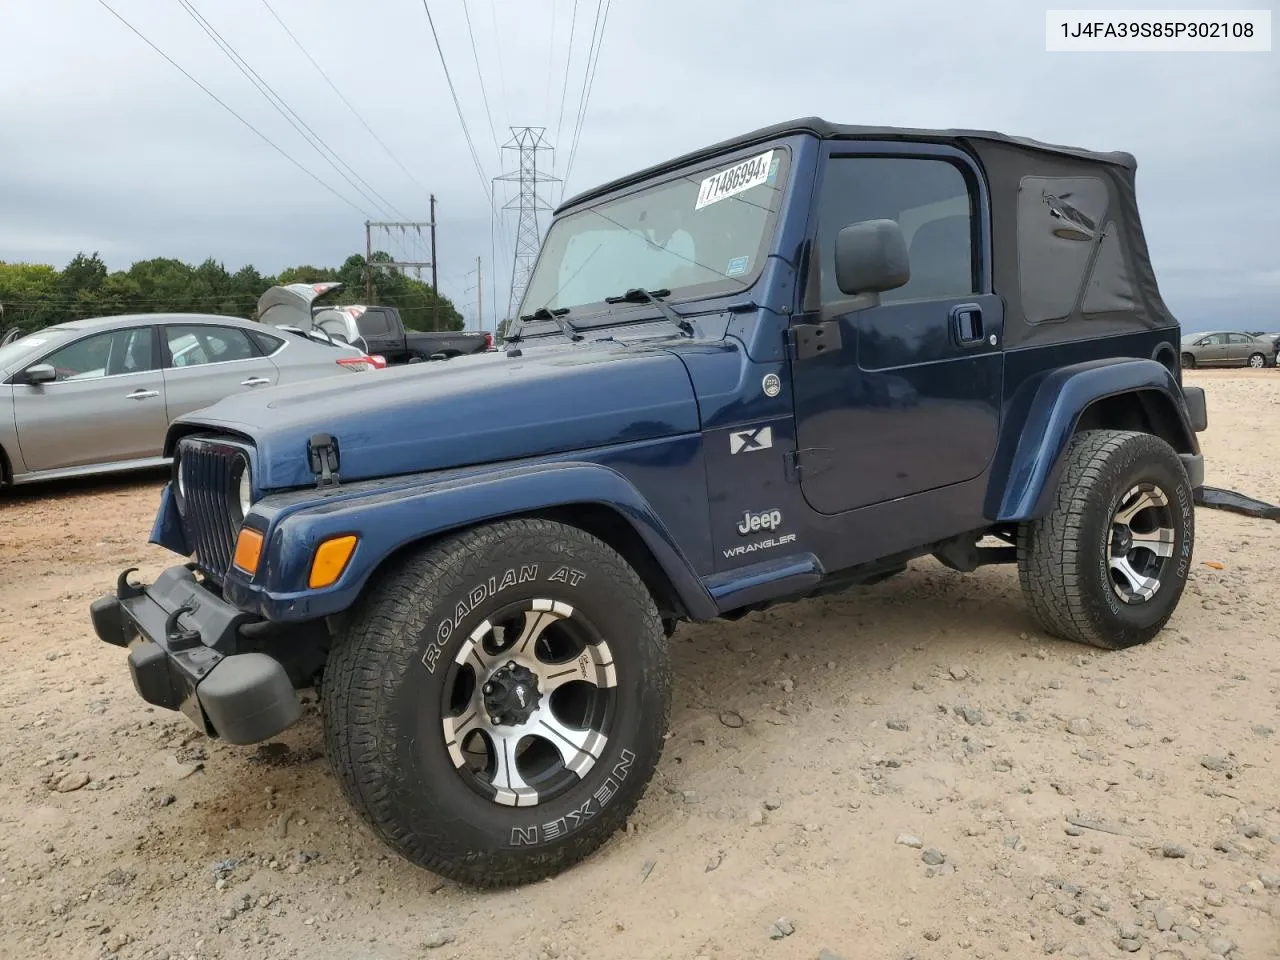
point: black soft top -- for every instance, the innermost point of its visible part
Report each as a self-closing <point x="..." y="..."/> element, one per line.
<point x="824" y="129"/>
<point x="1068" y="255"/>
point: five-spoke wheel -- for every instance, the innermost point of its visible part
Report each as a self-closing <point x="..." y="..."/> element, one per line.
<point x="529" y="702"/>
<point x="1142" y="539"/>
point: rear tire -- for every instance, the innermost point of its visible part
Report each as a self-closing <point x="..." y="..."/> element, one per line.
<point x="1257" y="361"/>
<point x="498" y="701"/>
<point x="1108" y="563"/>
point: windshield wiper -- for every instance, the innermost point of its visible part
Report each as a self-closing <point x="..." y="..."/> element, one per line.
<point x="640" y="295"/>
<point x="558" y="315"/>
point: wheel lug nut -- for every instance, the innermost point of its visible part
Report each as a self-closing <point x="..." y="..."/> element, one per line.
<point x="488" y="688"/>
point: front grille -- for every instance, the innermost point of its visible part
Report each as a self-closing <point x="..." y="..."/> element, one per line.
<point x="209" y="502"/>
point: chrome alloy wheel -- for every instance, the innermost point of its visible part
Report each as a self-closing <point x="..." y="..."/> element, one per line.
<point x="1142" y="542"/>
<point x="529" y="701"/>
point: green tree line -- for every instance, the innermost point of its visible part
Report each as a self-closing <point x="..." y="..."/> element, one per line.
<point x="33" y="296"/>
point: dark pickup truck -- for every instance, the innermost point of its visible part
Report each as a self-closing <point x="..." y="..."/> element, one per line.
<point x="378" y="331"/>
<point x="776" y="367"/>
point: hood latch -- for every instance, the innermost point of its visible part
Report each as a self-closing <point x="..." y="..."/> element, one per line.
<point x="322" y="452"/>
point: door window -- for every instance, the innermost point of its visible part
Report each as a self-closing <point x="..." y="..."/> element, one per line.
<point x="105" y="355"/>
<point x="928" y="198"/>
<point x="194" y="345"/>
<point x="1238" y="339"/>
<point x="1213" y="340"/>
<point x="266" y="342"/>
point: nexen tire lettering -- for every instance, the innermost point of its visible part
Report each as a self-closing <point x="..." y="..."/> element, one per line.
<point x="1187" y="505"/>
<point x="481" y="592"/>
<point x="555" y="829"/>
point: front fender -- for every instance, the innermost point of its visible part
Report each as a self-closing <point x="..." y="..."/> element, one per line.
<point x="1042" y="418"/>
<point x="387" y="519"/>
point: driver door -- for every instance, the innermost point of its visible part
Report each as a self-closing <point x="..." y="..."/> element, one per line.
<point x="907" y="396"/>
<point x="1212" y="350"/>
<point x="106" y="406"/>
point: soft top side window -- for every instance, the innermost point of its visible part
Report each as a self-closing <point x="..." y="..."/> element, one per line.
<point x="1070" y="260"/>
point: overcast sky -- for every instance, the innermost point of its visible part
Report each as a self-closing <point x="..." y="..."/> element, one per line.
<point x="105" y="146"/>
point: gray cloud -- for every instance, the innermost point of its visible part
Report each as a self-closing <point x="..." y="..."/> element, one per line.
<point x="107" y="147"/>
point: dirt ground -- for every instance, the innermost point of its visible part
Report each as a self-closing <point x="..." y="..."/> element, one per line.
<point x="889" y="773"/>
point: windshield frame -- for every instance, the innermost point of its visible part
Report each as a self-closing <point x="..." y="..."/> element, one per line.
<point x="595" y="314"/>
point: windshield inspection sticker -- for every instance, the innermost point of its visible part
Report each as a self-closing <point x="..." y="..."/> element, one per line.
<point x="737" y="266"/>
<point x="737" y="179"/>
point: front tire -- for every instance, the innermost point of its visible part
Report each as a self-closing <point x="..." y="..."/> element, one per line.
<point x="1108" y="563"/>
<point x="1188" y="361"/>
<point x="497" y="704"/>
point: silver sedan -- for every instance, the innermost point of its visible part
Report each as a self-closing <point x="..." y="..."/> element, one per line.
<point x="1225" y="348"/>
<point x="96" y="396"/>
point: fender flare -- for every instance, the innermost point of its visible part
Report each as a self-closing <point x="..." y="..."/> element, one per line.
<point x="388" y="519"/>
<point x="1043" y="417"/>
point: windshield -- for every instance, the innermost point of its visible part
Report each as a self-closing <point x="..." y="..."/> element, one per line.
<point x="704" y="232"/>
<point x="16" y="354"/>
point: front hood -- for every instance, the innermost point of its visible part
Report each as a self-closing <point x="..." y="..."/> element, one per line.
<point x="470" y="410"/>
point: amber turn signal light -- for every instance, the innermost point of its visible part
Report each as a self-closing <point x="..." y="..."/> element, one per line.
<point x="248" y="550"/>
<point x="330" y="560"/>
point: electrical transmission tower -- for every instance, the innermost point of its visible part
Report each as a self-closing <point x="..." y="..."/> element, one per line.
<point x="527" y="142"/>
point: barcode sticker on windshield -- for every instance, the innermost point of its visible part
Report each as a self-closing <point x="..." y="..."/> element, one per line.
<point x="738" y="178"/>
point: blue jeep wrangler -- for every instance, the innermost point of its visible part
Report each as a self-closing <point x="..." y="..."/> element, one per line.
<point x="785" y="364"/>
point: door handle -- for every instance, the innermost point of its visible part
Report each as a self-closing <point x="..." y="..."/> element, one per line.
<point x="254" y="382"/>
<point x="141" y="394"/>
<point x="966" y="321"/>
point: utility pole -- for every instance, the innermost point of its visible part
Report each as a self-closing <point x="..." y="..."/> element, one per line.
<point x="479" y="296"/>
<point x="527" y="142"/>
<point x="413" y="226"/>
<point x="435" y="288"/>
<point x="368" y="266"/>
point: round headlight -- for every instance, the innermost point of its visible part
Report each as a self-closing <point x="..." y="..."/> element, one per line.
<point x="246" y="491"/>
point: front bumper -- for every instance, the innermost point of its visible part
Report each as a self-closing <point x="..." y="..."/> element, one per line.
<point x="182" y="640"/>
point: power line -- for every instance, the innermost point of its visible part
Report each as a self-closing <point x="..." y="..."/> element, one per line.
<point x="586" y="76"/>
<point x="349" y="106"/>
<point x="564" y="90"/>
<point x="475" y="157"/>
<point x="497" y="40"/>
<point x="262" y="136"/>
<point x="586" y="92"/>
<point x="551" y="57"/>
<point x="287" y="111"/>
<point x="475" y="55"/>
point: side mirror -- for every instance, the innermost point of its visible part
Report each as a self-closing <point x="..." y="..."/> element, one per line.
<point x="871" y="257"/>
<point x="39" y="373"/>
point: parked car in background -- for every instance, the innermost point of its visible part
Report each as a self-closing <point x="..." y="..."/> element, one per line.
<point x="376" y="330"/>
<point x="96" y="396"/>
<point x="1224" y="348"/>
<point x="1274" y="338"/>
